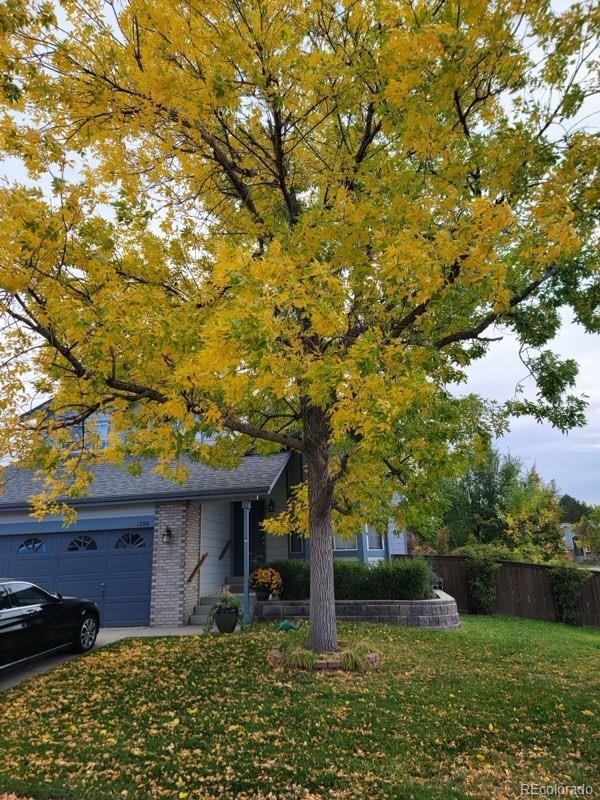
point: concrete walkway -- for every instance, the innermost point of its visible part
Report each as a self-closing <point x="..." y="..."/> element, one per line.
<point x="14" y="675"/>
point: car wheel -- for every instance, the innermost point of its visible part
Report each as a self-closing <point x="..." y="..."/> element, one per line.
<point x="86" y="636"/>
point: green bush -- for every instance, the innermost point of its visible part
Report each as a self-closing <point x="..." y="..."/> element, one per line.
<point x="295" y="578"/>
<point x="399" y="579"/>
<point x="494" y="550"/>
<point x="481" y="583"/>
<point x="350" y="579"/>
<point x="567" y="583"/>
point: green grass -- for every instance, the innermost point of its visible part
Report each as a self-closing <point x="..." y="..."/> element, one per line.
<point x="469" y="713"/>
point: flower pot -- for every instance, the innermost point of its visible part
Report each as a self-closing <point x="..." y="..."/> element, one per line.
<point x="226" y="619"/>
<point x="262" y="593"/>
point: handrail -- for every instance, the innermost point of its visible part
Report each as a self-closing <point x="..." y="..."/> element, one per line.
<point x="225" y="549"/>
<point x="197" y="567"/>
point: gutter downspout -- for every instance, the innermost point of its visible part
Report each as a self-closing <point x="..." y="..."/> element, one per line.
<point x="365" y="545"/>
<point x="246" y="504"/>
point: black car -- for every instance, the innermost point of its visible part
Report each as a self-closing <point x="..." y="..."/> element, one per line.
<point x="34" y="622"/>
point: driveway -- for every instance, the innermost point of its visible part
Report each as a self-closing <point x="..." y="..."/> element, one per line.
<point x="14" y="675"/>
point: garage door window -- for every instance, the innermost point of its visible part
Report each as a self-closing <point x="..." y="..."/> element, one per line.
<point x="130" y="541"/>
<point x="82" y="543"/>
<point x="31" y="546"/>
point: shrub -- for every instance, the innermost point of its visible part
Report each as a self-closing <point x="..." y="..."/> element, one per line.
<point x="493" y="550"/>
<point x="567" y="583"/>
<point x="295" y="578"/>
<point x="350" y="579"/>
<point x="442" y="541"/>
<point x="527" y="553"/>
<point x="399" y="579"/>
<point x="266" y="578"/>
<point x="481" y="582"/>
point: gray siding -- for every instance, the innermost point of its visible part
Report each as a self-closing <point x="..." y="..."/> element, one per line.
<point x="215" y="525"/>
<point x="397" y="542"/>
<point x="277" y="547"/>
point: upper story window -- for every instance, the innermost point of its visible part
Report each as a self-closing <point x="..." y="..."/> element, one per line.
<point x="102" y="431"/>
<point x="374" y="540"/>
<point x="32" y="545"/>
<point x="206" y="438"/>
<point x="344" y="543"/>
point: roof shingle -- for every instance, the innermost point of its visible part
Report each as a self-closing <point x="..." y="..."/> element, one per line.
<point x="255" y="476"/>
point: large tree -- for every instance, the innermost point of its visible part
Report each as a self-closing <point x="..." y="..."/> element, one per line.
<point x="571" y="509"/>
<point x="497" y="502"/>
<point x="588" y="530"/>
<point x="294" y="221"/>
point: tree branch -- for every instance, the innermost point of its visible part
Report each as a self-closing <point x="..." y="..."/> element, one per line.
<point x="476" y="330"/>
<point x="234" y="424"/>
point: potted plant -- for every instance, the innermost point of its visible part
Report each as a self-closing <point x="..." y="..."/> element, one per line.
<point x="266" y="582"/>
<point x="225" y="614"/>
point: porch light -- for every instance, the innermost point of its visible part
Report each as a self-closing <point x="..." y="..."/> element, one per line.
<point x="271" y="506"/>
<point x="167" y="535"/>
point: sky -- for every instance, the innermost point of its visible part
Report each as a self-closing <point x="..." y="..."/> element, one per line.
<point x="572" y="460"/>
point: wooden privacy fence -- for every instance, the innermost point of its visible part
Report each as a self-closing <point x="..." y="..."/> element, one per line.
<point x="523" y="590"/>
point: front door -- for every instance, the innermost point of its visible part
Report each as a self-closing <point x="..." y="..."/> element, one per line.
<point x="257" y="537"/>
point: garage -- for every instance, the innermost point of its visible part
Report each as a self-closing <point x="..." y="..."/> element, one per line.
<point x="112" y="568"/>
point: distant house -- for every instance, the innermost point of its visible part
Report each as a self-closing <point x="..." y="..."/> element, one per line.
<point x="145" y="549"/>
<point x="576" y="552"/>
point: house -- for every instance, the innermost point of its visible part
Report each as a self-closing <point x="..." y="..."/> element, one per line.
<point x="575" y="552"/>
<point x="146" y="550"/>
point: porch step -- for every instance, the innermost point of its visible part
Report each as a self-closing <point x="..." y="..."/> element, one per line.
<point x="204" y="605"/>
<point x="199" y="619"/>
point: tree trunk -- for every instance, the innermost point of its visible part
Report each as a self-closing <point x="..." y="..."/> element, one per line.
<point x="322" y="636"/>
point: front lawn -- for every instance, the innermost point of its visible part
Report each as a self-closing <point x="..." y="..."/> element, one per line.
<point x="469" y="713"/>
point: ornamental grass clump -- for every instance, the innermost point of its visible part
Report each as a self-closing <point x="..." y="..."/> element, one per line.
<point x="352" y="657"/>
<point x="355" y="657"/>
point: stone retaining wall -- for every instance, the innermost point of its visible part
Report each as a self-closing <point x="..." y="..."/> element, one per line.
<point x="439" y="612"/>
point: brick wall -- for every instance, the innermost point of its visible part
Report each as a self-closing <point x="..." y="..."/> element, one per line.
<point x="439" y="612"/>
<point x="192" y="554"/>
<point x="167" y="604"/>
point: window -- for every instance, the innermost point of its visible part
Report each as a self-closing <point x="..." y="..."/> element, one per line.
<point x="26" y="594"/>
<point x="374" y="540"/>
<point x="4" y="600"/>
<point x="82" y="543"/>
<point x="341" y="543"/>
<point x="296" y="544"/>
<point x="32" y="545"/>
<point x="102" y="430"/>
<point x="130" y="541"/>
